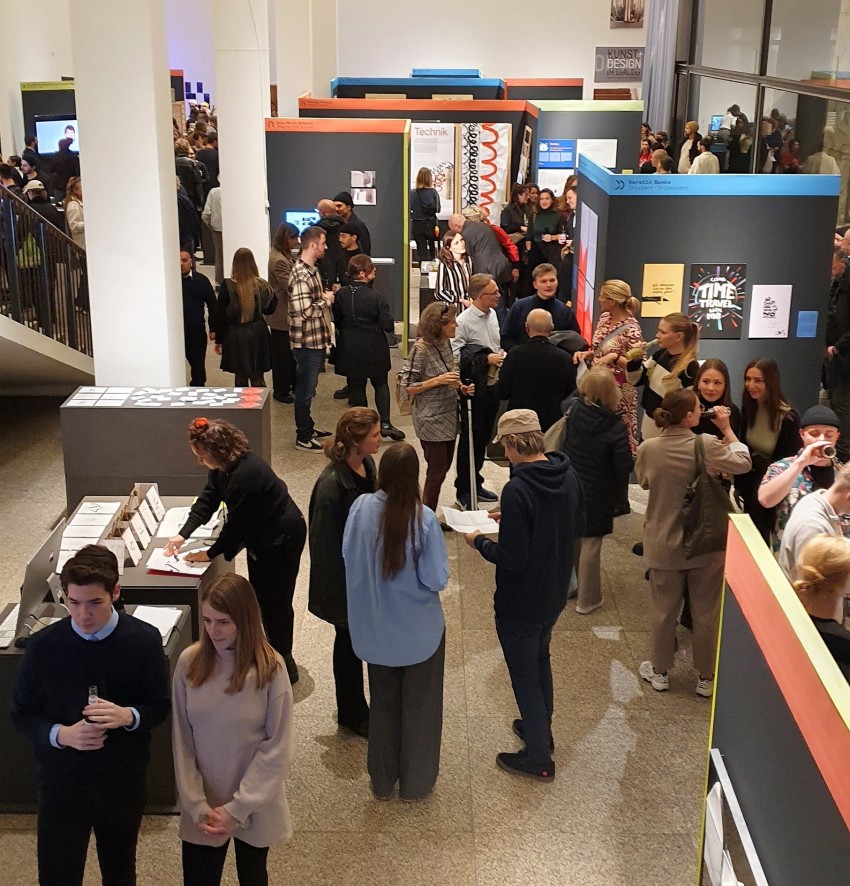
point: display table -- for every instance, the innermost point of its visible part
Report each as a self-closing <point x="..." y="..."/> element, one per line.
<point x="18" y="787"/>
<point x="140" y="588"/>
<point x="113" y="437"/>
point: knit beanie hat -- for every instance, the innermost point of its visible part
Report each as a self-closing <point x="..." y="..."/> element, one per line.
<point x="344" y="197"/>
<point x="820" y="415"/>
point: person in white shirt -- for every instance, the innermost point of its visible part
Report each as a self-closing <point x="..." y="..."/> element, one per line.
<point x="477" y="350"/>
<point x="211" y="217"/>
<point x="706" y="163"/>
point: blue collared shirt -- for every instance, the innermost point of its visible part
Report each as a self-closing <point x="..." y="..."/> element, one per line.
<point x="102" y="634"/>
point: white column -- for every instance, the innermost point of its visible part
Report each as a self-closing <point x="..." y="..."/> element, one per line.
<point x="323" y="38"/>
<point x="129" y="192"/>
<point x="294" y="56"/>
<point x="241" y="34"/>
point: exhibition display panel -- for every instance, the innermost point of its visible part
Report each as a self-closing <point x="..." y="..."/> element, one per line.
<point x="152" y="443"/>
<point x="778" y="805"/>
<point x="725" y="250"/>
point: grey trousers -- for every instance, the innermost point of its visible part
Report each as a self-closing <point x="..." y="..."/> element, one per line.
<point x="705" y="589"/>
<point x="589" y="571"/>
<point x="406" y="726"/>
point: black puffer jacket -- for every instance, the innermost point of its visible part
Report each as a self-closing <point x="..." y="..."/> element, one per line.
<point x="598" y="446"/>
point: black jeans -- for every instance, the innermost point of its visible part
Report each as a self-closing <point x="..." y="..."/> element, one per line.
<point x="66" y="819"/>
<point x="283" y="363"/>
<point x="526" y="649"/>
<point x="357" y="394"/>
<point x="273" y="573"/>
<point x="423" y="234"/>
<point x="196" y="355"/>
<point x="203" y="865"/>
<point x="485" y="406"/>
<point x="351" y="706"/>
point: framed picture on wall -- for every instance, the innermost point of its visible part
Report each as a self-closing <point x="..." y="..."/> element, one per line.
<point x="716" y="296"/>
<point x="627" y="13"/>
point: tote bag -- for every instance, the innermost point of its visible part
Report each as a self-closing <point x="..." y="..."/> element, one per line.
<point x="705" y="510"/>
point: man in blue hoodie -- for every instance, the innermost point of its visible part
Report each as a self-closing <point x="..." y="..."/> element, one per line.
<point x="542" y="515"/>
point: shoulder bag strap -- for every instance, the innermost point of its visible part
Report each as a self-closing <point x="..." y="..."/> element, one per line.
<point x="699" y="453"/>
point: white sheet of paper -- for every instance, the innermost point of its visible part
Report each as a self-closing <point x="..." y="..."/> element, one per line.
<point x="90" y="519"/>
<point x="171" y="523"/>
<point x="148" y="517"/>
<point x="163" y="618"/>
<point x="63" y="558"/>
<point x="73" y="530"/>
<point x="178" y="565"/>
<point x="116" y="545"/>
<point x="99" y="507"/>
<point x="141" y="531"/>
<point x="713" y="846"/>
<point x="113" y="390"/>
<point x="770" y="311"/>
<point x="132" y="547"/>
<point x="153" y="499"/>
<point x="72" y="545"/>
<point x="469" y="521"/>
<point x="554" y="179"/>
<point x="90" y="389"/>
<point x="602" y="150"/>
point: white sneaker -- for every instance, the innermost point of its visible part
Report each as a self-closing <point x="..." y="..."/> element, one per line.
<point x="586" y="610"/>
<point x="659" y="682"/>
<point x="705" y="688"/>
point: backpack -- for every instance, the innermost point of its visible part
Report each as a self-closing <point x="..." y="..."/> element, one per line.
<point x="29" y="255"/>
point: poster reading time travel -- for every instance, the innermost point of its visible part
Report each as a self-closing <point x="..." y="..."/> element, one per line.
<point x="716" y="299"/>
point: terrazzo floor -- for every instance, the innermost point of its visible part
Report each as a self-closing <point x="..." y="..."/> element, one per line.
<point x="624" y="809"/>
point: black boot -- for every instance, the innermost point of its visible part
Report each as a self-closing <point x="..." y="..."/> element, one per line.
<point x="388" y="430"/>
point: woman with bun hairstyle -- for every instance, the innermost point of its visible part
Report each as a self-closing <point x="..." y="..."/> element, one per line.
<point x="262" y="518"/>
<point x="617" y="334"/>
<point x="672" y="367"/>
<point x="232" y="738"/>
<point x="770" y="427"/>
<point x="351" y="473"/>
<point x="666" y="465"/>
<point x="823" y="581"/>
<point x="713" y="388"/>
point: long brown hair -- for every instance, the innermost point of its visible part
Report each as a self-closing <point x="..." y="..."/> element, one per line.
<point x="775" y="402"/>
<point x="247" y="279"/>
<point x="232" y="595"/>
<point x="351" y="429"/>
<point x="398" y="477"/>
<point x="445" y="254"/>
<point x="423" y="178"/>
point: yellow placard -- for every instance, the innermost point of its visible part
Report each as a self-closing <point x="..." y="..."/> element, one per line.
<point x="662" y="290"/>
<point x="47" y="86"/>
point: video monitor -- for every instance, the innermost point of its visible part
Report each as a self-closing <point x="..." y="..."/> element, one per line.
<point x="716" y="120"/>
<point x="301" y="218"/>
<point x="49" y="130"/>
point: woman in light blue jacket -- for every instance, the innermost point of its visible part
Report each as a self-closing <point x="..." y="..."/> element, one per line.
<point x="395" y="566"/>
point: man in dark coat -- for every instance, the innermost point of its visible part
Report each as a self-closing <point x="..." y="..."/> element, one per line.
<point x="330" y="264"/>
<point x="538" y="375"/>
<point x="36" y="193"/>
<point x="545" y="280"/>
<point x="482" y="246"/>
<point x="197" y="295"/>
<point x="209" y="157"/>
<point x="345" y="208"/>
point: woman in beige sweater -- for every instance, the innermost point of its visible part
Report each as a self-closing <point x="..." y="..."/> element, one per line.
<point x="232" y="738"/>
<point x="665" y="466"/>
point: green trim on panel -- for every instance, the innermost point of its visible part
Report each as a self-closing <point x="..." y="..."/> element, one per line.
<point x="405" y="273"/>
<point x="555" y="104"/>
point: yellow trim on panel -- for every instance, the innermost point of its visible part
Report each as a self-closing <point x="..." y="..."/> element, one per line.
<point x="827" y="670"/>
<point x="567" y="104"/>
<point x="47" y="86"/>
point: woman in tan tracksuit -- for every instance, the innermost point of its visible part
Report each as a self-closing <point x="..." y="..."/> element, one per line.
<point x="665" y="466"/>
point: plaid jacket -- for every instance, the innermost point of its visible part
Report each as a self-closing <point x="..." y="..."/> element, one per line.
<point x="309" y="313"/>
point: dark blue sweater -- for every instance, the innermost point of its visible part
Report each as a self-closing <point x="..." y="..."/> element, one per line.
<point x="513" y="329"/>
<point x="542" y="515"/>
<point x="129" y="669"/>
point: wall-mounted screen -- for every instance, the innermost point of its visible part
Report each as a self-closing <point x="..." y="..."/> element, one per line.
<point x="301" y="218"/>
<point x="49" y="130"/>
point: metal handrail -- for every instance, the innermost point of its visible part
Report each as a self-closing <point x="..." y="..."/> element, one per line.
<point x="43" y="278"/>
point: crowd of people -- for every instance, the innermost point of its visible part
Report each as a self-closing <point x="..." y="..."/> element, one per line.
<point x="500" y="333"/>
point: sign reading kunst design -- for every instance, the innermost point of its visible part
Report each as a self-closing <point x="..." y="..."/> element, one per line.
<point x="716" y="299"/>
<point x="618" y="63"/>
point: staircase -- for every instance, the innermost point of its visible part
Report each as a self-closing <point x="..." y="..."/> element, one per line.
<point x="45" y="326"/>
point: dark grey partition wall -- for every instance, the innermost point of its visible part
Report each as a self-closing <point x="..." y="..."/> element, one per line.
<point x="780" y="227"/>
<point x="314" y="159"/>
<point x="518" y="113"/>
<point x="588" y="119"/>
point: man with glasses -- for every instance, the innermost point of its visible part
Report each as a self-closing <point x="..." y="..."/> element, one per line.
<point x="478" y="350"/>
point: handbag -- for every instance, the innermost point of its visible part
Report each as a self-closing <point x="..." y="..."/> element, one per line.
<point x="705" y="510"/>
<point x="403" y="402"/>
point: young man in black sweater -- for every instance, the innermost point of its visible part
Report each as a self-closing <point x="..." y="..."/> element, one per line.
<point x="542" y="515"/>
<point x="90" y="689"/>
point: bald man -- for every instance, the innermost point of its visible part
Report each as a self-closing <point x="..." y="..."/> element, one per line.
<point x="537" y="374"/>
